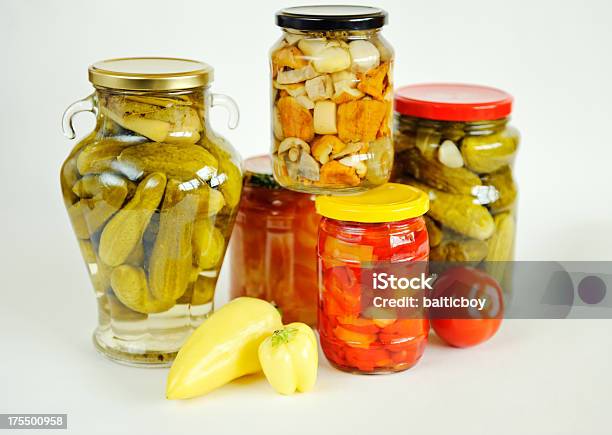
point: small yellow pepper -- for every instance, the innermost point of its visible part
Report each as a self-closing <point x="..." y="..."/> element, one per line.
<point x="223" y="348"/>
<point x="289" y="358"/>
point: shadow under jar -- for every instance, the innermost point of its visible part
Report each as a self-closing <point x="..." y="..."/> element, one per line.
<point x="381" y="231"/>
<point x="454" y="142"/>
<point x="152" y="195"/>
<point x="332" y="97"/>
<point x="274" y="245"/>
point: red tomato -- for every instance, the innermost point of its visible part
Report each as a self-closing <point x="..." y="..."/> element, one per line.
<point x="465" y="332"/>
<point x="466" y="328"/>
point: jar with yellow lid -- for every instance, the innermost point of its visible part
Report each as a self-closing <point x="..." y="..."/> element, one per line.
<point x="152" y="194"/>
<point x="381" y="229"/>
<point x="332" y="97"/>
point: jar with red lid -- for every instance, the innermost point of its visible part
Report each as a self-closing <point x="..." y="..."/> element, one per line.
<point x="454" y="142"/>
<point x="273" y="245"/>
<point x="380" y="228"/>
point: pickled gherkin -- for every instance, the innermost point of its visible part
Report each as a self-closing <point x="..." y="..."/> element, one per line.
<point x="459" y="213"/>
<point x="468" y="250"/>
<point x="485" y="154"/>
<point x="177" y="161"/>
<point x="435" y="174"/>
<point x="502" y="181"/>
<point x="433" y="231"/>
<point x="137" y="190"/>
<point x="502" y="242"/>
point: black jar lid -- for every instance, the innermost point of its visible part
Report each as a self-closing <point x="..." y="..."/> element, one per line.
<point x="331" y="18"/>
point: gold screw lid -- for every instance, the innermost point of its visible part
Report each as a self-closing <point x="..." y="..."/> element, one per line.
<point x="150" y="74"/>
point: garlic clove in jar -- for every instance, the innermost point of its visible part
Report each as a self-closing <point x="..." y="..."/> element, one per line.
<point x="332" y="59"/>
<point x="449" y="155"/>
<point x="364" y="54"/>
<point x="311" y="47"/>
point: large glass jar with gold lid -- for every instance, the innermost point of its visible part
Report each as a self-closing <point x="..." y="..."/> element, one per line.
<point x="152" y="195"/>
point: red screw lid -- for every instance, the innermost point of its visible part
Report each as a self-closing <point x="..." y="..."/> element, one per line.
<point x="453" y="102"/>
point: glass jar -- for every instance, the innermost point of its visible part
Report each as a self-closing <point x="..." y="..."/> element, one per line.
<point x="273" y="247"/>
<point x="152" y="195"/>
<point x="382" y="228"/>
<point x="454" y="141"/>
<point x="332" y="92"/>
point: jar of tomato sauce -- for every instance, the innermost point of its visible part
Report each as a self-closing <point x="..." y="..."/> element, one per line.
<point x="383" y="226"/>
<point x="273" y="246"/>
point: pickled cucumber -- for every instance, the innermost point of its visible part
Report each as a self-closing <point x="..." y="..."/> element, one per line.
<point x="433" y="231"/>
<point x="129" y="283"/>
<point x="230" y="182"/>
<point x="100" y="156"/>
<point x="171" y="123"/>
<point x="427" y="141"/>
<point x="125" y="230"/>
<point x="435" y="174"/>
<point x="208" y="245"/>
<point x="181" y="162"/>
<point x="90" y="213"/>
<point x="502" y="243"/>
<point x="470" y="250"/>
<point x="210" y="201"/>
<point x="504" y="183"/>
<point x="459" y="213"/>
<point x="200" y="292"/>
<point x="485" y="154"/>
<point x="171" y="259"/>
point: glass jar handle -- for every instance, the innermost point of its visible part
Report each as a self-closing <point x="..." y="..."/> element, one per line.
<point x="230" y="105"/>
<point x="85" y="105"/>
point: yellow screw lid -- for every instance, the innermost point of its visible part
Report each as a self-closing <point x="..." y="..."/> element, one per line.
<point x="390" y="202"/>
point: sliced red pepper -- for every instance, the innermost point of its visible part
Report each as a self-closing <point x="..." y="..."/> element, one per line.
<point x="408" y="327"/>
<point x="354" y="339"/>
<point x="367" y="359"/>
<point x="342" y="283"/>
<point x="358" y="324"/>
<point x="348" y="252"/>
<point x="334" y="353"/>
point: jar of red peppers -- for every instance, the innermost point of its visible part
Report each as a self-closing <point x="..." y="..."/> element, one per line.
<point x="382" y="226"/>
<point x="273" y="247"/>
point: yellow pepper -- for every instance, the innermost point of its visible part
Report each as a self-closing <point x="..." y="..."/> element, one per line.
<point x="289" y="358"/>
<point x="223" y="348"/>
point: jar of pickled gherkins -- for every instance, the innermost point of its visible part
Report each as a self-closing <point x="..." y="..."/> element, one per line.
<point x="382" y="229"/>
<point x="152" y="194"/>
<point x="454" y="142"/>
<point x="332" y="93"/>
<point x="273" y="247"/>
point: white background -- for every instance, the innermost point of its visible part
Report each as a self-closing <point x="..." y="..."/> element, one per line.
<point x="534" y="377"/>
